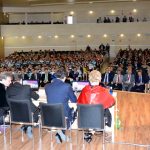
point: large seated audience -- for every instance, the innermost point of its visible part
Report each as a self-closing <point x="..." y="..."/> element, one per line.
<point x="41" y="65"/>
<point x="130" y="70"/>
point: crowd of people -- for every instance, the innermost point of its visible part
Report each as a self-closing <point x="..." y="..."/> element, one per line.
<point x="36" y="22"/>
<point x="55" y="70"/>
<point x="130" y="71"/>
<point x="41" y="65"/>
<point x="118" y="19"/>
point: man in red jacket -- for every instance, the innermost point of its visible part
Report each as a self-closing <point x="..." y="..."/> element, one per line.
<point x="95" y="94"/>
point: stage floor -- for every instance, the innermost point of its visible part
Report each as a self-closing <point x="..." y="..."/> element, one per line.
<point x="134" y="113"/>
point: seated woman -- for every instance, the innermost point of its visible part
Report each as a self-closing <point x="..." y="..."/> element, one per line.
<point x="95" y="94"/>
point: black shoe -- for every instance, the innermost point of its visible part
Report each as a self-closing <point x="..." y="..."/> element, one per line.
<point x="58" y="138"/>
<point x="89" y="139"/>
<point x="88" y="135"/>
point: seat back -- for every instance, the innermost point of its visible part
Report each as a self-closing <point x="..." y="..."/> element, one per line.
<point x="52" y="115"/>
<point x="90" y="116"/>
<point x="20" y="111"/>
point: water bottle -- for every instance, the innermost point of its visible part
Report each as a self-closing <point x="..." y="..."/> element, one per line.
<point x="111" y="90"/>
<point x="118" y="123"/>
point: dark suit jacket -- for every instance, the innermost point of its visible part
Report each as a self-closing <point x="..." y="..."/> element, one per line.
<point x="60" y="92"/>
<point x="18" y="91"/>
<point x="3" y="101"/>
<point x="43" y="77"/>
<point x="33" y="76"/>
<point x="26" y="76"/>
<point x="110" y="77"/>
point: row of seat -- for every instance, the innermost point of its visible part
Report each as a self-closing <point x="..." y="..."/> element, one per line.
<point x="52" y="117"/>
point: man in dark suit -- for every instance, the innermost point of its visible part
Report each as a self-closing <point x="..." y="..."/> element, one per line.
<point x="5" y="81"/>
<point x="140" y="81"/>
<point x="17" y="91"/>
<point x="59" y="92"/>
<point x="107" y="77"/>
<point x="45" y="78"/>
<point x="35" y="76"/>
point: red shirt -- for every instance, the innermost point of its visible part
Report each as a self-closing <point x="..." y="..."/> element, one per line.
<point x="96" y="95"/>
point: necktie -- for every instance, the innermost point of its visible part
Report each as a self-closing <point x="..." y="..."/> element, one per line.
<point x="35" y="76"/>
<point x="118" y="78"/>
<point x="46" y="77"/>
<point x="129" y="77"/>
<point x="107" y="78"/>
<point x="140" y="79"/>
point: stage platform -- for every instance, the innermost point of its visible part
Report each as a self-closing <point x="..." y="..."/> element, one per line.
<point x="134" y="134"/>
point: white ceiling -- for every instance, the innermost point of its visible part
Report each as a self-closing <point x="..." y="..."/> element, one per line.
<point x="28" y="3"/>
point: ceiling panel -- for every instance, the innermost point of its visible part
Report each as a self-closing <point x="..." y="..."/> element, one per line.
<point x="22" y="3"/>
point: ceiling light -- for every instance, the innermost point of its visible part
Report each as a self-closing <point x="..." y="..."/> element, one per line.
<point x="88" y="35"/>
<point x="105" y="35"/>
<point x="90" y="12"/>
<point x="23" y="37"/>
<point x="134" y="10"/>
<point x="39" y="36"/>
<point x="56" y="36"/>
<point x="138" y="35"/>
<point x="2" y="37"/>
<point x="72" y="36"/>
<point x="121" y="35"/>
<point x="71" y="12"/>
<point x="90" y="2"/>
<point x="112" y="11"/>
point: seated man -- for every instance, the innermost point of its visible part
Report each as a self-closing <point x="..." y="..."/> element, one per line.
<point x="95" y="94"/>
<point x="140" y="81"/>
<point x="17" y="91"/>
<point x="128" y="80"/>
<point x="117" y="81"/>
<point x="107" y="77"/>
<point x="5" y="81"/>
<point x="60" y="92"/>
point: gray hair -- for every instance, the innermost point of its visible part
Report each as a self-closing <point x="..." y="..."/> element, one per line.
<point x="4" y="75"/>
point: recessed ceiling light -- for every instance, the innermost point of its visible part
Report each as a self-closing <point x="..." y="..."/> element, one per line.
<point x="23" y="37"/>
<point x="90" y="12"/>
<point x="105" y="35"/>
<point x="122" y="35"/>
<point x="39" y="36"/>
<point x="71" y="12"/>
<point x="112" y="11"/>
<point x="138" y="35"/>
<point x="56" y="36"/>
<point x="134" y="10"/>
<point x="72" y="36"/>
<point x="88" y="35"/>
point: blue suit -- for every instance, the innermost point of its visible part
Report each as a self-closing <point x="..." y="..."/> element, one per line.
<point x="59" y="92"/>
